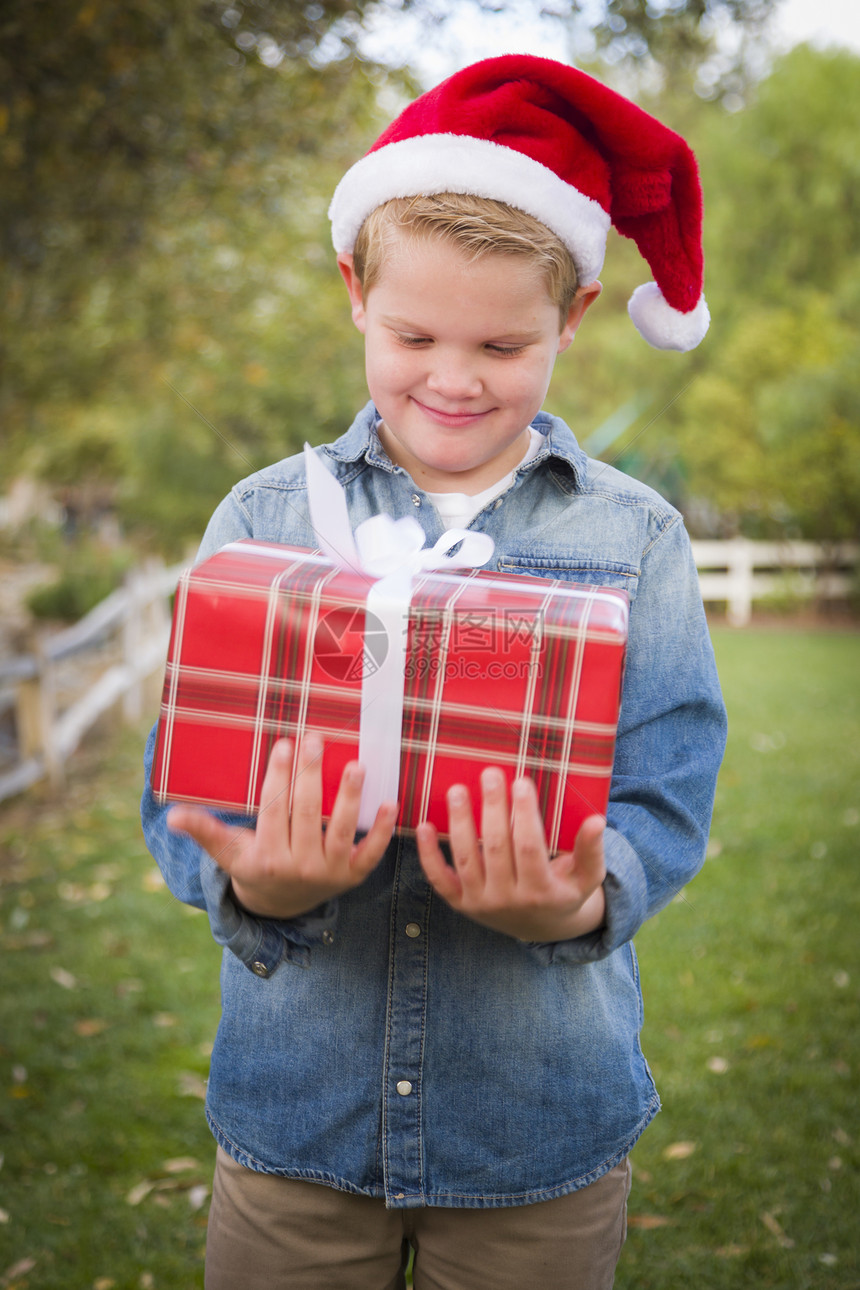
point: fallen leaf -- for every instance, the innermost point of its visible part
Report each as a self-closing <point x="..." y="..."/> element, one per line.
<point x="131" y="985"/>
<point x="140" y="1192"/>
<point x="164" y="1020"/>
<point x="731" y="1251"/>
<point x="153" y="881"/>
<point x="197" y="1196"/>
<point x="679" y="1150"/>
<point x="89" y="1026"/>
<point x="61" y="977"/>
<point x="104" y="1283"/>
<point x="35" y="940"/>
<point x="648" y="1221"/>
<point x="775" y="1230"/>
<point x="18" y="1269"/>
<point x="717" y="1065"/>
<point x="180" y="1165"/>
<point x="192" y="1085"/>
<point x="4" y="1216"/>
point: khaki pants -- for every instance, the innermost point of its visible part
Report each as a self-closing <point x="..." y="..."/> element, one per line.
<point x="269" y="1233"/>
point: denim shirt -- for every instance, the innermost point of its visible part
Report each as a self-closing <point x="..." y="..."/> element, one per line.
<point x="385" y="1044"/>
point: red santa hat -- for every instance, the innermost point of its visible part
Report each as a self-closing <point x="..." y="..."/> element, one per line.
<point x="554" y="142"/>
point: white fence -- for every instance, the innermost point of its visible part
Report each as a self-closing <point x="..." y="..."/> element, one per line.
<point x="738" y="572"/>
<point x="107" y="658"/>
<point x="77" y="675"/>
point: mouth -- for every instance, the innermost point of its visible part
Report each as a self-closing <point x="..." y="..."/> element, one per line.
<point x="453" y="418"/>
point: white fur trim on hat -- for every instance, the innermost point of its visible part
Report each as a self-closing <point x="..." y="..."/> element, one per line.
<point x="665" y="327"/>
<point x="439" y="163"/>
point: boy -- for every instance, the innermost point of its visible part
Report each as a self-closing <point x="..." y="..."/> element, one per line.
<point x="446" y="1055"/>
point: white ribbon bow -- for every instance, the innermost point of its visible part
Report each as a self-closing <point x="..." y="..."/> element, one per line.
<point x="392" y="552"/>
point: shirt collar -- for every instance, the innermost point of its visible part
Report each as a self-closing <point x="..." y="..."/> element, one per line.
<point x="361" y="440"/>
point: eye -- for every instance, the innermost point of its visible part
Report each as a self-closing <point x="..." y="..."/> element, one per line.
<point x="506" y="351"/>
<point x="412" y="342"/>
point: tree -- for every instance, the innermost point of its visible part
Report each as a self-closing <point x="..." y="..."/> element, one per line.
<point x="714" y="45"/>
<point x="682" y="39"/>
<point x="761" y="423"/>
<point x="783" y="212"/>
<point x="165" y="170"/>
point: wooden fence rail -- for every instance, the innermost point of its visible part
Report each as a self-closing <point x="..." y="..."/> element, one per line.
<point x="738" y="572"/>
<point x="128" y="636"/>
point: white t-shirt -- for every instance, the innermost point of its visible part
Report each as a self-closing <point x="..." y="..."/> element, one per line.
<point x="459" y="509"/>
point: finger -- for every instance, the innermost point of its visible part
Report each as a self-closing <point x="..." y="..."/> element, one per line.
<point x="588" y="853"/>
<point x="306" y="818"/>
<point x="274" y="815"/>
<point x="465" y="848"/>
<point x="499" y="862"/>
<point x="530" y="848"/>
<point x="370" y="850"/>
<point x="341" y="828"/>
<point x="220" y="840"/>
<point x="441" y="877"/>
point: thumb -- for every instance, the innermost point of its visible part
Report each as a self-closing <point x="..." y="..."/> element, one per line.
<point x="210" y="833"/>
<point x="588" y="857"/>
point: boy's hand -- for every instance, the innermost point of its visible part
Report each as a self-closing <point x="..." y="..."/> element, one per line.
<point x="508" y="881"/>
<point x="287" y="865"/>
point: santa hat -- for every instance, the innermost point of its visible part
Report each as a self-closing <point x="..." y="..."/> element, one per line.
<point x="554" y="142"/>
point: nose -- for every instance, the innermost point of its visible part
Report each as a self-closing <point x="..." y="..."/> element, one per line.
<point x="454" y="376"/>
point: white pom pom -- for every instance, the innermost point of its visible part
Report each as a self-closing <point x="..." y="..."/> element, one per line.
<point x="665" y="327"/>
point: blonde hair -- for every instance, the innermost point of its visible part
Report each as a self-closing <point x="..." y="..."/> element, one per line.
<point x="478" y="226"/>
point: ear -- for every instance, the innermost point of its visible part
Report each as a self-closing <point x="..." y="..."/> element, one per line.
<point x="353" y="286"/>
<point x="582" y="302"/>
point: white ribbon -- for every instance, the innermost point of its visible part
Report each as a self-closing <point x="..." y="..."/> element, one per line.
<point x="393" y="552"/>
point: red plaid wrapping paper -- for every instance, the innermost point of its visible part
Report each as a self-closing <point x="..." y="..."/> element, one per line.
<point x="518" y="672"/>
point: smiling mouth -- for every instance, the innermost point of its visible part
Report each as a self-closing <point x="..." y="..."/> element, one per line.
<point x="458" y="417"/>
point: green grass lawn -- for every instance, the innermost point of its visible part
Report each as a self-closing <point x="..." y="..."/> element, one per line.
<point x="748" y="1178"/>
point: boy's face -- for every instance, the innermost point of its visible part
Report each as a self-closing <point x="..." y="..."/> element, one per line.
<point x="459" y="356"/>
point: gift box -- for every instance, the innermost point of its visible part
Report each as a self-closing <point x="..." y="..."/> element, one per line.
<point x="519" y="672"/>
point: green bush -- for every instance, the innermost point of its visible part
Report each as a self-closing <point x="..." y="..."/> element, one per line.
<point x="87" y="574"/>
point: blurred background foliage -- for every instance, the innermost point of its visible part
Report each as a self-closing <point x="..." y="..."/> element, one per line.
<point x="174" y="318"/>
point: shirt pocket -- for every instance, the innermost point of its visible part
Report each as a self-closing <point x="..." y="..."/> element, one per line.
<point x="590" y="571"/>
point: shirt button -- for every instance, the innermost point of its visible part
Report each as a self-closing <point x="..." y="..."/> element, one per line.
<point x="413" y="930"/>
<point x="404" y="1087"/>
<point x="259" y="969"/>
<point x="328" y="937"/>
<point x="416" y="500"/>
